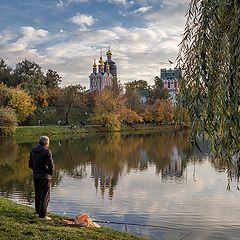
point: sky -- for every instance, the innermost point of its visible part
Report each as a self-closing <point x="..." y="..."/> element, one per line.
<point x="67" y="35"/>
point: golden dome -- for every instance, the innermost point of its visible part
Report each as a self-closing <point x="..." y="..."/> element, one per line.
<point x="101" y="61"/>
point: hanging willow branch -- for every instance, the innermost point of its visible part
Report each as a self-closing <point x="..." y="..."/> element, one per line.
<point x="210" y="86"/>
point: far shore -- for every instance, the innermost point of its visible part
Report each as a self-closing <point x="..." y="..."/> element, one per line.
<point x="61" y="131"/>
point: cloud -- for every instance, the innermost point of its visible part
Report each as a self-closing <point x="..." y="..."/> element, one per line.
<point x="30" y="37"/>
<point x="124" y="3"/>
<point x="7" y="36"/>
<point x="143" y="9"/>
<point x="33" y="34"/>
<point x="60" y="4"/>
<point x="63" y="3"/>
<point x="170" y="17"/>
<point x="83" y="20"/>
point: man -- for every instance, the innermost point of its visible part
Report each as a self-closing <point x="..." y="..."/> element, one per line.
<point x="41" y="162"/>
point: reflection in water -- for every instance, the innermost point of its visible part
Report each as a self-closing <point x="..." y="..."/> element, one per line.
<point x="152" y="178"/>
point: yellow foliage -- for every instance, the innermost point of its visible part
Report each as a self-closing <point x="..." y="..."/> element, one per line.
<point x="19" y="100"/>
<point x="108" y="109"/>
<point x="161" y="111"/>
<point x="129" y="116"/>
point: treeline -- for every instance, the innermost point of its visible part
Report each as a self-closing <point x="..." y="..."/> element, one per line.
<point x="28" y="96"/>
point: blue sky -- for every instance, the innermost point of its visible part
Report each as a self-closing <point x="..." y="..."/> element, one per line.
<point x="66" y="35"/>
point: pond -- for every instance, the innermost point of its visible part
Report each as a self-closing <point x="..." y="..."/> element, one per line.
<point x="154" y="180"/>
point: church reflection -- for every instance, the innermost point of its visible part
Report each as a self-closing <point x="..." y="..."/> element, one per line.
<point x="175" y="167"/>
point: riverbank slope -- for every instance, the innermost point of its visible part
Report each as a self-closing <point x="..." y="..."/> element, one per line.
<point x="18" y="222"/>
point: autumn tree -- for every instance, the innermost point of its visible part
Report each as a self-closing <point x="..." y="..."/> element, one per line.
<point x="133" y="99"/>
<point x="160" y="112"/>
<point x="108" y="108"/>
<point x="52" y="81"/>
<point x="18" y="100"/>
<point x="71" y="96"/>
<point x="210" y="86"/>
<point x="132" y="94"/>
<point x="129" y="117"/>
<point x="30" y="77"/>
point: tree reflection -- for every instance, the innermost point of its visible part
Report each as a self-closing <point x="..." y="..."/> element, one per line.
<point x="15" y="176"/>
<point x="111" y="155"/>
<point x="104" y="157"/>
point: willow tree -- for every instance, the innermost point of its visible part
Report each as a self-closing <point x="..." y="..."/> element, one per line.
<point x="210" y="86"/>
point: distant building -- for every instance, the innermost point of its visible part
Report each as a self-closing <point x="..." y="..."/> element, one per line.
<point x="104" y="75"/>
<point x="170" y="79"/>
<point x="144" y="94"/>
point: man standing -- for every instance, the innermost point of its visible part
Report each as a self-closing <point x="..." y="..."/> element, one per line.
<point x="41" y="162"/>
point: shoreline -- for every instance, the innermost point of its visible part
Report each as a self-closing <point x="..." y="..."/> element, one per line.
<point x="59" y="131"/>
<point x="19" y="222"/>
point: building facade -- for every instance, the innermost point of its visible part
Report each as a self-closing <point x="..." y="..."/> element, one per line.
<point x="104" y="75"/>
<point x="169" y="79"/>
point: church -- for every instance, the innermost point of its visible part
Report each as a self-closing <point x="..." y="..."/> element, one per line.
<point x="104" y="75"/>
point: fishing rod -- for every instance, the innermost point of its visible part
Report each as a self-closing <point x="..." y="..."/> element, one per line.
<point x="126" y="224"/>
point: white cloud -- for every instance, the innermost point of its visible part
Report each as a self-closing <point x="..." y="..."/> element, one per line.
<point x="60" y="4"/>
<point x="33" y="34"/>
<point x="82" y="20"/>
<point x="143" y="9"/>
<point x="121" y="2"/>
<point x="63" y="3"/>
<point x="30" y="37"/>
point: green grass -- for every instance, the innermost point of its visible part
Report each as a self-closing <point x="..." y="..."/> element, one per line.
<point x="54" y="130"/>
<point x="47" y="130"/>
<point x="18" y="222"/>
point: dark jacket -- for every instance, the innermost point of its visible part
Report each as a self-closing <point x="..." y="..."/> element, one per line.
<point x="41" y="162"/>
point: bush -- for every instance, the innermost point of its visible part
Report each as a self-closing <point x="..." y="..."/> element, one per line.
<point x="8" y="121"/>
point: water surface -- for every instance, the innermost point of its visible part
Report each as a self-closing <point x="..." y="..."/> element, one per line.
<point x="151" y="179"/>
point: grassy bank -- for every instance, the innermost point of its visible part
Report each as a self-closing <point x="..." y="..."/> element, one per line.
<point x="19" y="222"/>
<point x="52" y="130"/>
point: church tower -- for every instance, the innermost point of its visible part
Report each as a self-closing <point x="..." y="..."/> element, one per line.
<point x="111" y="63"/>
<point x="103" y="78"/>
